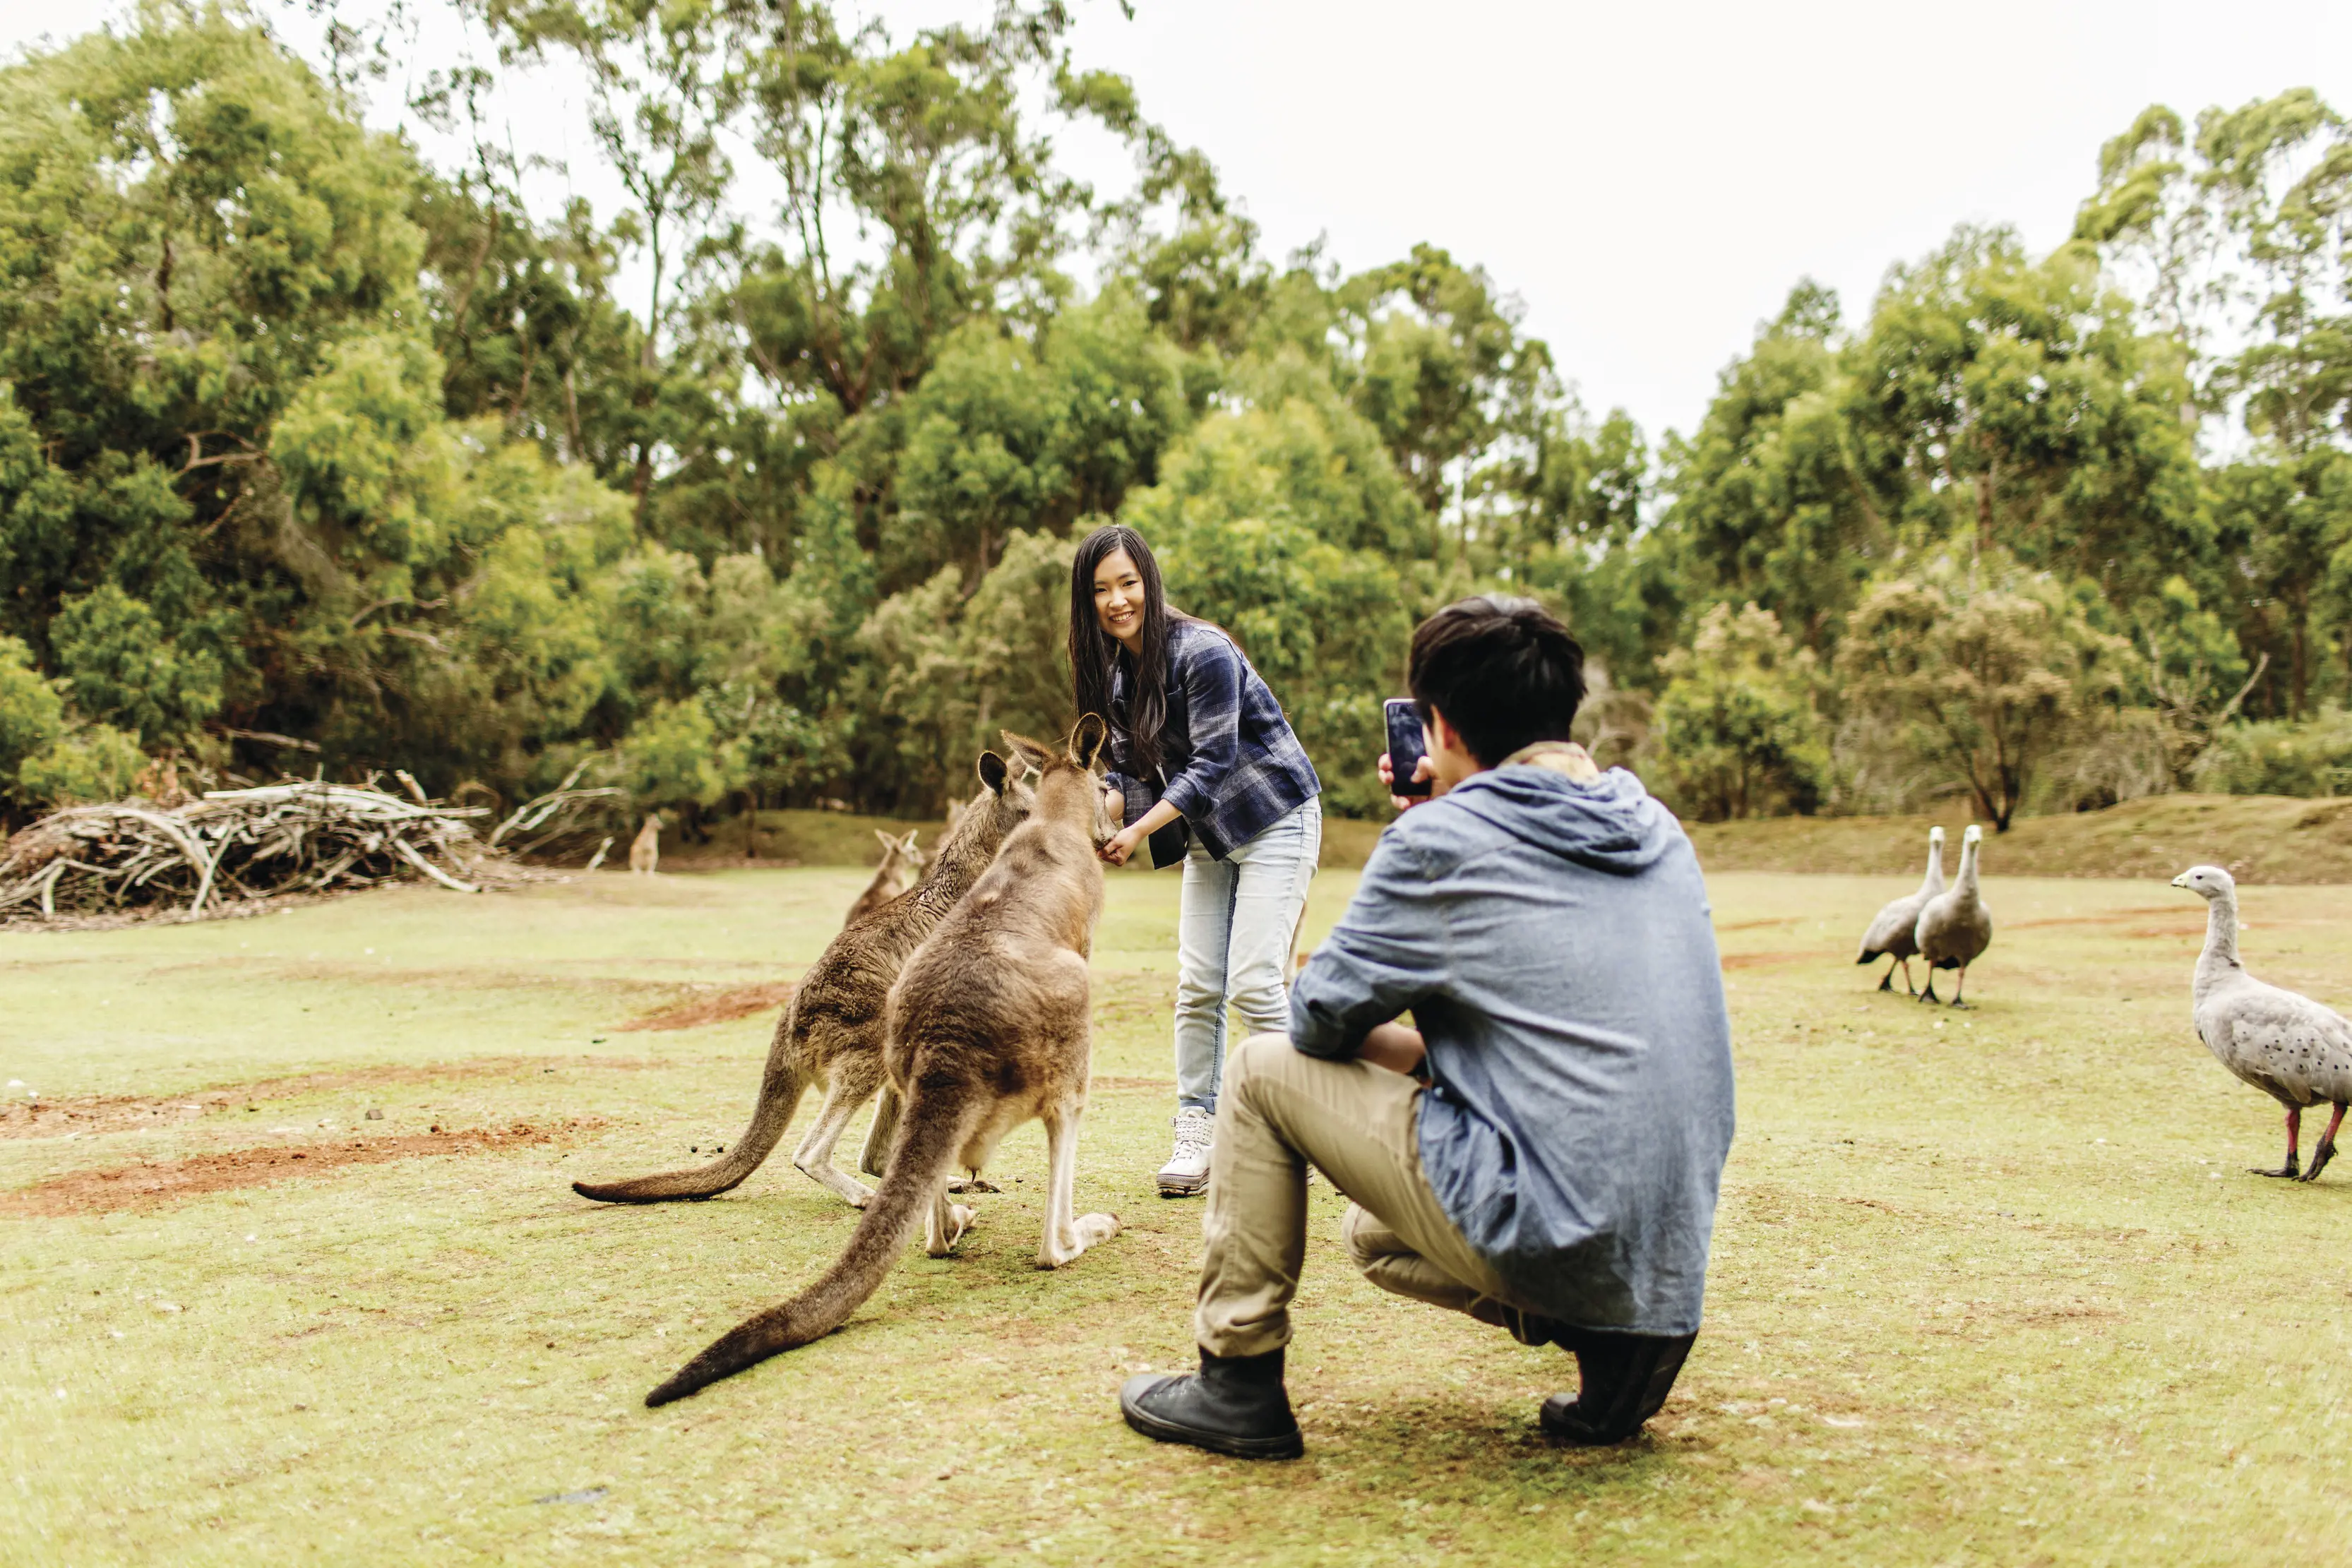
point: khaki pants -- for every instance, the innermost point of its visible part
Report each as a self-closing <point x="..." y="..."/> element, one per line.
<point x="1279" y="1113"/>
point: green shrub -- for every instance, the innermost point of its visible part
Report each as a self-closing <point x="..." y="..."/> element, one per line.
<point x="31" y="713"/>
<point x="2281" y="757"/>
<point x="100" y="763"/>
<point x="1737" y="723"/>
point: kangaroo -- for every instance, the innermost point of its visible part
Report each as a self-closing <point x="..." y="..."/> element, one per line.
<point x="902" y="865"/>
<point x="645" y="855"/>
<point x="831" y="1031"/>
<point x="988" y="1027"/>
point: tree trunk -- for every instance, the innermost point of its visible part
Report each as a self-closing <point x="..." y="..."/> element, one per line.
<point x="2299" y="677"/>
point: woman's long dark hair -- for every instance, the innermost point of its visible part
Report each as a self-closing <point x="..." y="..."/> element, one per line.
<point x="1094" y="653"/>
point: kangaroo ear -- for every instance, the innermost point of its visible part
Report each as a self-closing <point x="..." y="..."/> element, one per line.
<point x="888" y="843"/>
<point x="1086" y="740"/>
<point x="992" y="772"/>
<point x="1025" y="751"/>
<point x="910" y="836"/>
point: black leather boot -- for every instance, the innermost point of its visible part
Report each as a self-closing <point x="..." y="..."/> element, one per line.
<point x="1234" y="1405"/>
<point x="1623" y="1379"/>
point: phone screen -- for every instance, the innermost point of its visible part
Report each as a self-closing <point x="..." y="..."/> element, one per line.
<point x="1404" y="746"/>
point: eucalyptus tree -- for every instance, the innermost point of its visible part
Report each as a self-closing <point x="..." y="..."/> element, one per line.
<point x="1771" y="501"/>
<point x="2003" y="401"/>
<point x="2239" y="230"/>
<point x="1979" y="675"/>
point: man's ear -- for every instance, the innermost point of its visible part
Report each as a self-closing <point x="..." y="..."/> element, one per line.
<point x="1442" y="735"/>
<point x="1086" y="740"/>
<point x="992" y="772"/>
<point x="1030" y="754"/>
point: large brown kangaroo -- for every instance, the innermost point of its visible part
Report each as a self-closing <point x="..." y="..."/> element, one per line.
<point x="831" y="1033"/>
<point x="989" y="1028"/>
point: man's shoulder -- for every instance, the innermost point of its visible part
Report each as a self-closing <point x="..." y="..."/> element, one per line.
<point x="1438" y="835"/>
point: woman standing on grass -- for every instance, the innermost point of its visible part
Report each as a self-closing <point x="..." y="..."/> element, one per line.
<point x="1213" y="775"/>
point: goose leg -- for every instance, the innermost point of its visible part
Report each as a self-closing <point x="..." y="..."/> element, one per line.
<point x="1906" y="977"/>
<point x="1957" y="984"/>
<point x="2327" y="1149"/>
<point x="1929" y="994"/>
<point x="1886" y="980"/>
<point x="2294" y="1131"/>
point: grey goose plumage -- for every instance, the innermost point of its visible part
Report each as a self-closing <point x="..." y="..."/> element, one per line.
<point x="2291" y="1048"/>
<point x="1892" y="930"/>
<point x="1955" y="928"/>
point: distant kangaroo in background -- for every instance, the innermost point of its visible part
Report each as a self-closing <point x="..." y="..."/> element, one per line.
<point x="902" y="864"/>
<point x="831" y="1033"/>
<point x="645" y="855"/>
<point x="990" y="1026"/>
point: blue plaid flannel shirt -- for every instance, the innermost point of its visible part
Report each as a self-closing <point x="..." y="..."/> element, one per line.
<point x="1232" y="764"/>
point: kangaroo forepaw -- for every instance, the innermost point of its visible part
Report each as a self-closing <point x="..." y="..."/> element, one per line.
<point x="960" y="1220"/>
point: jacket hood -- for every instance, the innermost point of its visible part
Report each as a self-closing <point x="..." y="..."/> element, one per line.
<point x="1610" y="823"/>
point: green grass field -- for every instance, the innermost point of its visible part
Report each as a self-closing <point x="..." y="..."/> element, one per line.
<point x="1989" y="1286"/>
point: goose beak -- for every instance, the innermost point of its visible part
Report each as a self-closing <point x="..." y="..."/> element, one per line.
<point x="2181" y="881"/>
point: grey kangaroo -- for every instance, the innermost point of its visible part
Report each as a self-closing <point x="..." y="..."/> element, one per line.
<point x="989" y="1028"/>
<point x="831" y="1033"/>
<point x="901" y="868"/>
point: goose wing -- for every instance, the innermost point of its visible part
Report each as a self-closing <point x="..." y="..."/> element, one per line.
<point x="2282" y="1043"/>
<point x="1890" y="930"/>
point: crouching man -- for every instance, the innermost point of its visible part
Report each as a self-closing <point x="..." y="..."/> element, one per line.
<point x="1542" y="1150"/>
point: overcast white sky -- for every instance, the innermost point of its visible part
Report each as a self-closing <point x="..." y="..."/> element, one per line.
<point x="1648" y="179"/>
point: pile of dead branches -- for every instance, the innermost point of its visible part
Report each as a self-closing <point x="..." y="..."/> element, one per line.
<point x="236" y="846"/>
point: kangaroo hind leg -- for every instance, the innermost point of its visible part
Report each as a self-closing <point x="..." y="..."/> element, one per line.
<point x="875" y="1154"/>
<point x="945" y="1222"/>
<point x="1068" y="1233"/>
<point x="854" y="1079"/>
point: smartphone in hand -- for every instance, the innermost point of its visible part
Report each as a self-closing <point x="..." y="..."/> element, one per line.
<point x="1405" y="750"/>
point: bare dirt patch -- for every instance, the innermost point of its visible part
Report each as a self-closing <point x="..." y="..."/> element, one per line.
<point x="725" y="1007"/>
<point x="2112" y="917"/>
<point x="1764" y="960"/>
<point x="149" y="1185"/>
<point x="124" y="1113"/>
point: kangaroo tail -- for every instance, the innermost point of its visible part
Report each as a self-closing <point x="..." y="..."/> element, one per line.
<point x="781" y="1088"/>
<point x="935" y="1128"/>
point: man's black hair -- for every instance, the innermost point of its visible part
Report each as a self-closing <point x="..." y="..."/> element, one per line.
<point x="1504" y="671"/>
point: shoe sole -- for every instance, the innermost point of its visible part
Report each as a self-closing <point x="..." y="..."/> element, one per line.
<point x="1183" y="1187"/>
<point x="1290" y="1446"/>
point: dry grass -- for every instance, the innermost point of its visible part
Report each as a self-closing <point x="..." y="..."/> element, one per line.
<point x="1989" y="1287"/>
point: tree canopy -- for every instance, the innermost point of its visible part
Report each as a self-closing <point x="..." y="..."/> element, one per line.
<point x="316" y="455"/>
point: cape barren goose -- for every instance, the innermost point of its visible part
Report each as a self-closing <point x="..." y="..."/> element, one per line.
<point x="1892" y="933"/>
<point x="2289" y="1047"/>
<point x="1954" y="927"/>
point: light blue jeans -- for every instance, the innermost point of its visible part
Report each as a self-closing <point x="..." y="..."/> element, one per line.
<point x="1233" y="932"/>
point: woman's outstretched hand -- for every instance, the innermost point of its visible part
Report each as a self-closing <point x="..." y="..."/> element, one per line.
<point x="1421" y="770"/>
<point x="1122" y="845"/>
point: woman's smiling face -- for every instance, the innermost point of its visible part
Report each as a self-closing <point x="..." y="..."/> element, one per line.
<point x="1119" y="600"/>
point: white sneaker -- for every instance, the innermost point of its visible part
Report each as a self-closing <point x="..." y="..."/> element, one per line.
<point x="1187" y="1170"/>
